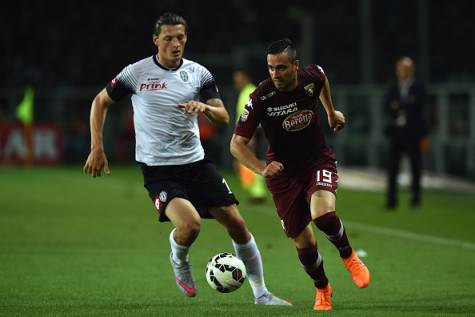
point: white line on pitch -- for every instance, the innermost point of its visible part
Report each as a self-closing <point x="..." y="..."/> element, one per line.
<point x="411" y="235"/>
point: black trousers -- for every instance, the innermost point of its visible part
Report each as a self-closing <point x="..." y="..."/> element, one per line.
<point x="399" y="147"/>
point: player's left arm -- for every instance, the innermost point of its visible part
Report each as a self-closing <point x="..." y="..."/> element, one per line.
<point x="213" y="109"/>
<point x="336" y="119"/>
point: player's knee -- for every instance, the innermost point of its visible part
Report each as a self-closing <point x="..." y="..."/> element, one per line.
<point x="191" y="228"/>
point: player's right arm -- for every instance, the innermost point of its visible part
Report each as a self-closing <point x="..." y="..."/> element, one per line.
<point x="97" y="161"/>
<point x="240" y="146"/>
<point x="242" y="151"/>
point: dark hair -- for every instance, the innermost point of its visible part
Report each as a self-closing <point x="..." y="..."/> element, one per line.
<point x="285" y="45"/>
<point x="169" y="18"/>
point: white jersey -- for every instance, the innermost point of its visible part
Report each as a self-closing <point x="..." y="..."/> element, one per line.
<point x="164" y="134"/>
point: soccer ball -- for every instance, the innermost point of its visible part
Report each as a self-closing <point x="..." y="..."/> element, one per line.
<point x="225" y="272"/>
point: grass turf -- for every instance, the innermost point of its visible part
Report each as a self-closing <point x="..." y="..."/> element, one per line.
<point x="75" y="246"/>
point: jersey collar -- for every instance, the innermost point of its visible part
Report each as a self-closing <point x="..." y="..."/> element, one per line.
<point x="155" y="60"/>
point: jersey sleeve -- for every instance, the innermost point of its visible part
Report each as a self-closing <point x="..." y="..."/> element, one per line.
<point x="122" y="85"/>
<point x="249" y="119"/>
<point x="317" y="74"/>
<point x="207" y="86"/>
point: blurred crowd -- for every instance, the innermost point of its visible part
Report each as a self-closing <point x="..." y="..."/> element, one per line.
<point x="68" y="50"/>
<point x="53" y="44"/>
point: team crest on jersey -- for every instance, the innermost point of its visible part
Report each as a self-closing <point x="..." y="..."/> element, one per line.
<point x="297" y="121"/>
<point x="184" y="75"/>
<point x="244" y="115"/>
<point x="310" y="89"/>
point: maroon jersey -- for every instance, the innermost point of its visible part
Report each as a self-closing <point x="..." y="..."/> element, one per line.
<point x="289" y="119"/>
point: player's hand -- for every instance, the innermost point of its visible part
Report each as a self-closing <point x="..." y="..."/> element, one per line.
<point x="272" y="169"/>
<point x="337" y="121"/>
<point x="193" y="107"/>
<point x="96" y="163"/>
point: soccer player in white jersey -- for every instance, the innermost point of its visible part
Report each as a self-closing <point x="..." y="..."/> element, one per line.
<point x="168" y="93"/>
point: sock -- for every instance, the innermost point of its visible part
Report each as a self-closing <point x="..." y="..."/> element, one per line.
<point x="333" y="228"/>
<point x="313" y="264"/>
<point x="179" y="252"/>
<point x="250" y="255"/>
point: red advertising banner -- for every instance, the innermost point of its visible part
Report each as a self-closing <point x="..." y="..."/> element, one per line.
<point x="46" y="144"/>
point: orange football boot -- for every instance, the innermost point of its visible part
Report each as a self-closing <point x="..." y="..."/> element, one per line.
<point x="359" y="272"/>
<point x="323" y="298"/>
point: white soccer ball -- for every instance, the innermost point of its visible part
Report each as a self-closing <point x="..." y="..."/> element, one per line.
<point x="225" y="272"/>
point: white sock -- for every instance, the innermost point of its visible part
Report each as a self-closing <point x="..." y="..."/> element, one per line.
<point x="179" y="252"/>
<point x="250" y="255"/>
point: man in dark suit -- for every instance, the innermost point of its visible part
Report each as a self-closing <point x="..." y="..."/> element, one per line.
<point x="406" y="129"/>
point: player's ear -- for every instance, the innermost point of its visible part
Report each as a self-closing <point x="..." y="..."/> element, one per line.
<point x="155" y="40"/>
<point x="297" y="64"/>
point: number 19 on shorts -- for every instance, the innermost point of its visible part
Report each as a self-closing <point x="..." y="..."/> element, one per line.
<point x="324" y="176"/>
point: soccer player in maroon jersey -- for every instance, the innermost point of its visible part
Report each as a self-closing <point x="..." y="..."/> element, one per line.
<point x="300" y="170"/>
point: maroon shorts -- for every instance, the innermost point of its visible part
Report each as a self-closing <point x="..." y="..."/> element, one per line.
<point x="292" y="193"/>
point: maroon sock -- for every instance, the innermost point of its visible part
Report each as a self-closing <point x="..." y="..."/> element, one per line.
<point x="313" y="264"/>
<point x="333" y="228"/>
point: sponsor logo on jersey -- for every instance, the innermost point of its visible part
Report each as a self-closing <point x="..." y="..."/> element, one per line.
<point x="184" y="75"/>
<point x="297" y="121"/>
<point x="156" y="85"/>
<point x="282" y="110"/>
<point x="309" y="89"/>
<point x="272" y="93"/>
<point x="244" y="115"/>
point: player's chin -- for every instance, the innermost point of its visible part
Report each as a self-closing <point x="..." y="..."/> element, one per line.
<point x="177" y="55"/>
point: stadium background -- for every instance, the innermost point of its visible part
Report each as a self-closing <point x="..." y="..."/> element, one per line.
<point x="71" y="245"/>
<point x="68" y="51"/>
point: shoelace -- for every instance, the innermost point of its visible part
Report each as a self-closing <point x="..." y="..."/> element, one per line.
<point x="356" y="263"/>
<point x="321" y="297"/>
<point x="183" y="268"/>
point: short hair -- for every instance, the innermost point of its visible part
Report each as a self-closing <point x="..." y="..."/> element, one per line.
<point x="169" y="18"/>
<point x="284" y="45"/>
<point x="405" y="59"/>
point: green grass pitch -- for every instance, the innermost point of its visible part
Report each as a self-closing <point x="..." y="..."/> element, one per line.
<point x="71" y="245"/>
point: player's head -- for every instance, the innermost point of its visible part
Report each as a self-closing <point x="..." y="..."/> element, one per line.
<point x="405" y="68"/>
<point x="170" y="35"/>
<point x="283" y="64"/>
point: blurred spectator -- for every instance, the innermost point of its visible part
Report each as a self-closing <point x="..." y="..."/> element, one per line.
<point x="251" y="182"/>
<point x="406" y="130"/>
